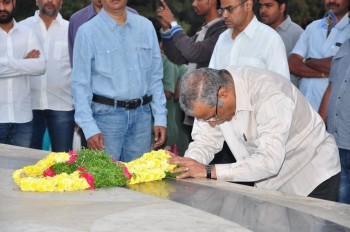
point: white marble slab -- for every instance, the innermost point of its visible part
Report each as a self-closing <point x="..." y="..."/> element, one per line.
<point x="121" y="209"/>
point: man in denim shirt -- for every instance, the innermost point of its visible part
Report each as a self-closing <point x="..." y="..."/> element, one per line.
<point x="76" y="20"/>
<point x="335" y="111"/>
<point x="117" y="83"/>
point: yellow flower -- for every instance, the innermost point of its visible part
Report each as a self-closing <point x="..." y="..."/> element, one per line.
<point x="149" y="167"/>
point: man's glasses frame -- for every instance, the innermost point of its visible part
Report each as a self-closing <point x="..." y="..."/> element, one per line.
<point x="215" y="118"/>
<point x="230" y="9"/>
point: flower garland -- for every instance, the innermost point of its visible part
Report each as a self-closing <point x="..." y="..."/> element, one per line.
<point x="149" y="167"/>
<point x="90" y="169"/>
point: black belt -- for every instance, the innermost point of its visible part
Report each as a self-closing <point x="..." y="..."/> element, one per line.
<point x="131" y="104"/>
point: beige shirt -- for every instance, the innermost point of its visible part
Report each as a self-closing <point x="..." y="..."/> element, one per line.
<point x="278" y="140"/>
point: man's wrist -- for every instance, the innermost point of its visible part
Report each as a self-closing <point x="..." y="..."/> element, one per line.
<point x="173" y="31"/>
<point x="208" y="169"/>
<point x="306" y="59"/>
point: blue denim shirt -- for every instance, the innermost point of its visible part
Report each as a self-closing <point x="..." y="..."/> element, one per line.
<point x="338" y="114"/>
<point x="122" y="62"/>
<point x="79" y="18"/>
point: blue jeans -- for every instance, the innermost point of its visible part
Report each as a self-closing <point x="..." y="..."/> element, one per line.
<point x="344" y="185"/>
<point x="126" y="133"/>
<point x="61" y="128"/>
<point x="18" y="134"/>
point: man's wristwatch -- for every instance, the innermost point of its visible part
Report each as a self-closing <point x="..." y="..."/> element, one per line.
<point x="173" y="24"/>
<point x="208" y="170"/>
<point x="306" y="59"/>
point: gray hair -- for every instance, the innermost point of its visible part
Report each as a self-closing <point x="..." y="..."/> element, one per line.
<point x="202" y="85"/>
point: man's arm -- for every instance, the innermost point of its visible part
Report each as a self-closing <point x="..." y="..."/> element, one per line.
<point x="299" y="67"/>
<point x="321" y="65"/>
<point x="324" y="103"/>
<point x="165" y="15"/>
<point x="81" y="84"/>
<point x="33" y="63"/>
<point x="179" y="47"/>
<point x="192" y="51"/>
<point x="167" y="33"/>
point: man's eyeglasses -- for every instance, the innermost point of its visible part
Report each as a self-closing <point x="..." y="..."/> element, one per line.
<point x="215" y="118"/>
<point x="230" y="9"/>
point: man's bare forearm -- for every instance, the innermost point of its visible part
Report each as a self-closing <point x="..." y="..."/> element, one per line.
<point x="322" y="65"/>
<point x="299" y="68"/>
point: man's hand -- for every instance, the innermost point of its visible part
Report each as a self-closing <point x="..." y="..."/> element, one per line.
<point x="32" y="54"/>
<point x="188" y="167"/>
<point x="165" y="15"/>
<point x="159" y="136"/>
<point x="95" y="142"/>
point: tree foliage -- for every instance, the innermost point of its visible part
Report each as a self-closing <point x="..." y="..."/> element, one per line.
<point x="301" y="11"/>
<point x="304" y="11"/>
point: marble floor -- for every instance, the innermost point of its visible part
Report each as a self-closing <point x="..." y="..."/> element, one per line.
<point x="168" y="205"/>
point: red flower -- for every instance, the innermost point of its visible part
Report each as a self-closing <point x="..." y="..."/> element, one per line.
<point x="126" y="172"/>
<point x="114" y="160"/>
<point x="82" y="169"/>
<point x="49" y="172"/>
<point x="89" y="178"/>
<point x="73" y="156"/>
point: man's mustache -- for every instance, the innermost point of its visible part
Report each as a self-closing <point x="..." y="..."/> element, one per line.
<point x="332" y="4"/>
<point x="49" y="5"/>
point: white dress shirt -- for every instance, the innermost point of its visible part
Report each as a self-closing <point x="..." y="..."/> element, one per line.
<point x="257" y="45"/>
<point x="53" y="89"/>
<point x="278" y="140"/>
<point x="15" y="71"/>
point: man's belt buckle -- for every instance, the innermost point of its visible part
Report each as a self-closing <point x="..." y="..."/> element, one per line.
<point x="132" y="104"/>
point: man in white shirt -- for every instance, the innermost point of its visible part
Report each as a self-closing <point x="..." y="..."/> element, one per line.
<point x="51" y="92"/>
<point x="248" y="41"/>
<point x="278" y="140"/>
<point x="20" y="57"/>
